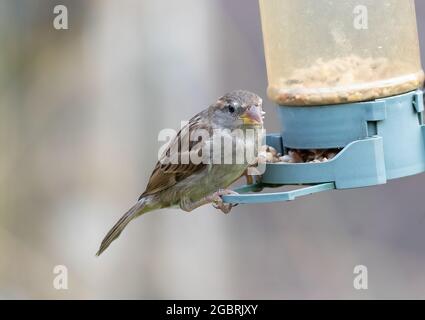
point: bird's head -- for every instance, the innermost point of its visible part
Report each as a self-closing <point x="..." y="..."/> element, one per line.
<point x="238" y="109"/>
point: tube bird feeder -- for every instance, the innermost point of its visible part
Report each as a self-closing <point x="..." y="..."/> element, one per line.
<point x="345" y="75"/>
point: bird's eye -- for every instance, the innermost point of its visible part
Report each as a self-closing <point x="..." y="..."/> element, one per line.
<point x="231" y="109"/>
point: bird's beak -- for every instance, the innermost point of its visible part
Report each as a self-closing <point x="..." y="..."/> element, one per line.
<point x="253" y="116"/>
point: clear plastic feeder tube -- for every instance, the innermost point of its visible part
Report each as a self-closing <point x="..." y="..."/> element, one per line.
<point x="324" y="52"/>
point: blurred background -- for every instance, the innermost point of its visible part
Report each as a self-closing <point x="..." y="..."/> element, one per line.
<point x="80" y="111"/>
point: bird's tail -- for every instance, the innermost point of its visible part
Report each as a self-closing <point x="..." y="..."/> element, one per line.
<point x="138" y="209"/>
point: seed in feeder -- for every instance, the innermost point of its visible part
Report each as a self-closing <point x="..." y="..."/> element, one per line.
<point x="268" y="154"/>
<point x="331" y="155"/>
<point x="265" y="157"/>
<point x="269" y="149"/>
<point x="344" y="80"/>
<point x="309" y="156"/>
<point x="286" y="158"/>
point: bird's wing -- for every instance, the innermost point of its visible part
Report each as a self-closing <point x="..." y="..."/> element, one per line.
<point x="166" y="175"/>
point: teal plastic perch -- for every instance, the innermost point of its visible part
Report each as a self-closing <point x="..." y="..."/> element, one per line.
<point x="380" y="140"/>
<point x="244" y="198"/>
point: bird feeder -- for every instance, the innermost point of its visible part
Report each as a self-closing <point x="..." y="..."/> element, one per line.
<point x="345" y="75"/>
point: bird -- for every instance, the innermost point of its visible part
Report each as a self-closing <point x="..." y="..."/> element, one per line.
<point x="191" y="184"/>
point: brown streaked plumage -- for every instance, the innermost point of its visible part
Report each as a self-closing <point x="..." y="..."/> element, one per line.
<point x="194" y="184"/>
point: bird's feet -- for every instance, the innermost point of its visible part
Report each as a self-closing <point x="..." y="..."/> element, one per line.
<point x="218" y="203"/>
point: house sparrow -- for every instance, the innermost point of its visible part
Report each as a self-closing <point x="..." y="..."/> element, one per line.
<point x="191" y="185"/>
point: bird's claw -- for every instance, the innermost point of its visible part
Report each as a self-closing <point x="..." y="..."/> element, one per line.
<point x="218" y="202"/>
